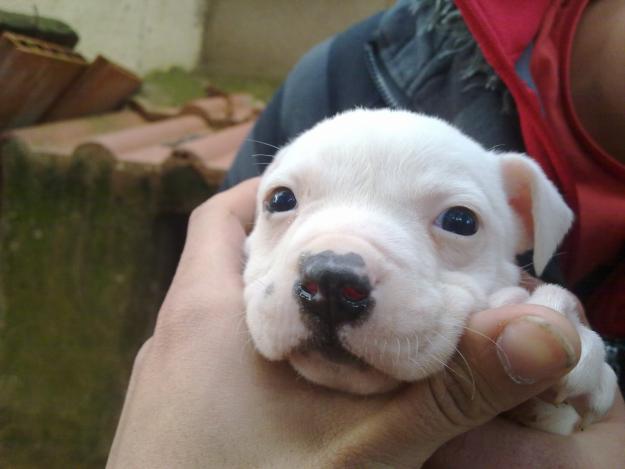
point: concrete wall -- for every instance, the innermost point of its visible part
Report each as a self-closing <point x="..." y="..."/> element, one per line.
<point x="140" y="34"/>
<point x="264" y="38"/>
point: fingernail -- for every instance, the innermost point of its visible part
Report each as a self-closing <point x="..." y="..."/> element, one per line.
<point x="531" y="350"/>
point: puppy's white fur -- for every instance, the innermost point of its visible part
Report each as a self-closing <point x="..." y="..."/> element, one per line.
<point x="374" y="183"/>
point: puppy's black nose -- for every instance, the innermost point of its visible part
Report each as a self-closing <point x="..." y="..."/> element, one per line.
<point x="333" y="288"/>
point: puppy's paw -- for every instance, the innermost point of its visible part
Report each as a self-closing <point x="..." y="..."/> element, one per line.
<point x="558" y="299"/>
<point x="508" y="296"/>
<point x="591" y="385"/>
<point x="562" y="418"/>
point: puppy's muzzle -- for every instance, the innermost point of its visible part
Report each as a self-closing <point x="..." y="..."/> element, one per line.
<point x="333" y="289"/>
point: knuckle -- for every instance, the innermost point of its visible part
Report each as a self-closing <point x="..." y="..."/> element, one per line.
<point x="463" y="398"/>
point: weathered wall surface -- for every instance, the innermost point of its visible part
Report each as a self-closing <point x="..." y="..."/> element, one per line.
<point x="140" y="34"/>
<point x="248" y="38"/>
<point x="264" y="38"/>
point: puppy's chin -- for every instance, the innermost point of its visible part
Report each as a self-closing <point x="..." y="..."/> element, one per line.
<point x="356" y="378"/>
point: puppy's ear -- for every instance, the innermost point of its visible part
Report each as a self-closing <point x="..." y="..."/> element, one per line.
<point x="541" y="209"/>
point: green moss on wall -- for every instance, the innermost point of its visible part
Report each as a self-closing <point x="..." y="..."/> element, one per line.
<point x="173" y="87"/>
<point x="176" y="87"/>
<point x="84" y="264"/>
<point x="260" y="88"/>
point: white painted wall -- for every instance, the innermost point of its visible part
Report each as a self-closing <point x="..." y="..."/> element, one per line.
<point x="264" y="38"/>
<point x="141" y="35"/>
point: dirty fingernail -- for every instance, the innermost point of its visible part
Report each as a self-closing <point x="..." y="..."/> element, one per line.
<point x="531" y="350"/>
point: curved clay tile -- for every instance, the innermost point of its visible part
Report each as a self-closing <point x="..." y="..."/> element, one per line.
<point x="153" y="157"/>
<point x="243" y="107"/>
<point x="213" y="154"/>
<point x="61" y="138"/>
<point x="112" y="146"/>
<point x="151" y="111"/>
<point x="215" y="110"/>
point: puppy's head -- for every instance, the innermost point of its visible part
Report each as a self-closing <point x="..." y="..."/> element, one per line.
<point x="377" y="234"/>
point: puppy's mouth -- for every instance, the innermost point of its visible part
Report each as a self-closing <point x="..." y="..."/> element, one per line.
<point x="323" y="360"/>
<point x="328" y="345"/>
<point x="343" y="372"/>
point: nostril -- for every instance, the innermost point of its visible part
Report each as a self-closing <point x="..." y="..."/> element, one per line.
<point x="311" y="287"/>
<point x="307" y="290"/>
<point x="354" y="294"/>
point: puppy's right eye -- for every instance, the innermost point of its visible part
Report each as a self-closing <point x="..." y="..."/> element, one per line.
<point x="458" y="220"/>
<point x="280" y="199"/>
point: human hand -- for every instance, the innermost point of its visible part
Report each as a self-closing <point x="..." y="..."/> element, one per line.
<point x="200" y="396"/>
<point x="503" y="443"/>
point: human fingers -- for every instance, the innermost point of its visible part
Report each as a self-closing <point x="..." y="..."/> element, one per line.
<point x="212" y="260"/>
<point x="503" y="442"/>
<point x="216" y="232"/>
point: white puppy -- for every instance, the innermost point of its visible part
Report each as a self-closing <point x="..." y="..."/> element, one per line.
<point x="379" y="232"/>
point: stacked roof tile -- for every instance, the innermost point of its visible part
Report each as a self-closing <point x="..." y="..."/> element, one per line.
<point x="41" y="82"/>
<point x="204" y="135"/>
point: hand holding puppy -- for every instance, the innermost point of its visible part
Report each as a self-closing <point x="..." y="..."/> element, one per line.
<point x="200" y="396"/>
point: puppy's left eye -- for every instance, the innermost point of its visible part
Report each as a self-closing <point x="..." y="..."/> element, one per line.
<point x="459" y="220"/>
<point x="280" y="199"/>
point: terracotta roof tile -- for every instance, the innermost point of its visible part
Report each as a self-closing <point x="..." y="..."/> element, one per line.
<point x="129" y="143"/>
<point x="151" y="158"/>
<point x="116" y="144"/>
<point x="33" y="74"/>
<point x="62" y="137"/>
<point x="152" y="111"/>
<point x="243" y="107"/>
<point x="215" y="110"/>
<point x="102" y="87"/>
<point x="213" y="154"/>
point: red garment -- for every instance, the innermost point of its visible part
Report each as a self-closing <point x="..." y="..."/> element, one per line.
<point x="591" y="181"/>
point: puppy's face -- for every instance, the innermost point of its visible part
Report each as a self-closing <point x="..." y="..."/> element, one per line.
<point x="377" y="234"/>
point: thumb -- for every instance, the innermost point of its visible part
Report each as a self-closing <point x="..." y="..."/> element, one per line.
<point x="512" y="354"/>
<point x="506" y="356"/>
